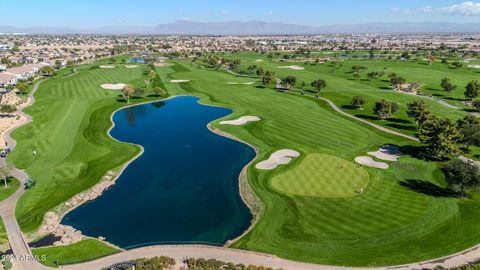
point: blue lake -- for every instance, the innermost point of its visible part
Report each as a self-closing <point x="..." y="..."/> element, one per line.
<point x="136" y="60"/>
<point x="182" y="189"/>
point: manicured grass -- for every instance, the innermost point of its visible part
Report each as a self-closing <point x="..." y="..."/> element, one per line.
<point x="71" y="117"/>
<point x="12" y="185"/>
<point x="320" y="175"/>
<point x="82" y="251"/>
<point x="397" y="220"/>
<point x="342" y="87"/>
<point x="400" y="217"/>
<point x="3" y="233"/>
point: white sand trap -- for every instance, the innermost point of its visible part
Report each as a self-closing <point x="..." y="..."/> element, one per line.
<point x="112" y="86"/>
<point x="179" y="81"/>
<point x="131" y="66"/>
<point x="474" y="66"/>
<point x="281" y="157"/>
<point x="292" y="67"/>
<point x="369" y="162"/>
<point x="107" y="66"/>
<point x="259" y="60"/>
<point x="241" y="121"/>
<point x="387" y="152"/>
<point x="237" y="83"/>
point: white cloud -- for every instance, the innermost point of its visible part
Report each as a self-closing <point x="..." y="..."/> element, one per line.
<point x="226" y="13"/>
<point x="186" y="19"/>
<point x="269" y="13"/>
<point x="468" y="8"/>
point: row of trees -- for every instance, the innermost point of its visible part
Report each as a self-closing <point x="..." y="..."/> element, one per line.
<point x="441" y="136"/>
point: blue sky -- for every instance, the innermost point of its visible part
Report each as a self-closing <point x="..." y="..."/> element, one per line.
<point x="93" y="13"/>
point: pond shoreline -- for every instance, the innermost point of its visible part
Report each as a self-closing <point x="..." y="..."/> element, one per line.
<point x="244" y="188"/>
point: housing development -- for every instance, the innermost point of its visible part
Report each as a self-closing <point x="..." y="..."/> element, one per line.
<point x="298" y="143"/>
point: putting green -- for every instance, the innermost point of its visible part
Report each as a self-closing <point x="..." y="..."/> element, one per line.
<point x="320" y="175"/>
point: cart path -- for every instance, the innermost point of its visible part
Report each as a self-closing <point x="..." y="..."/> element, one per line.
<point x="25" y="262"/>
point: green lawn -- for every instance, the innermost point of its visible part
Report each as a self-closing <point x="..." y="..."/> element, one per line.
<point x="12" y="185"/>
<point x="325" y="176"/>
<point x="69" y="132"/>
<point x="401" y="217"/>
<point x="3" y="234"/>
<point x="82" y="251"/>
<point x="397" y="220"/>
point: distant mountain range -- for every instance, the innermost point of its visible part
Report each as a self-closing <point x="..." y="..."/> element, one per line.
<point x="184" y="27"/>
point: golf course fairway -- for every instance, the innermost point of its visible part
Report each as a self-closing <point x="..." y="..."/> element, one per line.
<point x="321" y="218"/>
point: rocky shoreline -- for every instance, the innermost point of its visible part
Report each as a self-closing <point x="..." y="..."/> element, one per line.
<point x="69" y="235"/>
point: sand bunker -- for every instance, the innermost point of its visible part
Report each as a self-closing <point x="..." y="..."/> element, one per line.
<point x="259" y="60"/>
<point x="112" y="86"/>
<point x="281" y="157"/>
<point x="292" y="67"/>
<point x="179" y="81"/>
<point x="236" y="83"/>
<point x="369" y="162"/>
<point x="474" y="66"/>
<point x="241" y="121"/>
<point x="131" y="66"/>
<point x="107" y="66"/>
<point x="387" y="152"/>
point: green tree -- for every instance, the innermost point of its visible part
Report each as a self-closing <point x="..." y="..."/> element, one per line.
<point x="267" y="78"/>
<point x="469" y="127"/>
<point x="318" y="85"/>
<point x="5" y="173"/>
<point x="260" y="71"/>
<point x="46" y="71"/>
<point x="356" y="71"/>
<point x="127" y="93"/>
<point x="159" y="92"/>
<point x="7" y="109"/>
<point x="396" y="80"/>
<point x="358" y="102"/>
<point x="21" y="87"/>
<point x="373" y="75"/>
<point x="461" y="175"/>
<point x="447" y="85"/>
<point x="58" y="64"/>
<point x="383" y="109"/>
<point x="476" y="105"/>
<point x="440" y="135"/>
<point x="418" y="111"/>
<point x="288" y="82"/>
<point x="457" y="65"/>
<point x="472" y="90"/>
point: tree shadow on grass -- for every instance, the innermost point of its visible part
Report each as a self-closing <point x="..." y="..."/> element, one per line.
<point x="469" y="110"/>
<point x="414" y="151"/>
<point x="349" y="107"/>
<point x="404" y="127"/>
<point x="456" y="99"/>
<point x="368" y="117"/>
<point x="427" y="188"/>
<point x="401" y="121"/>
